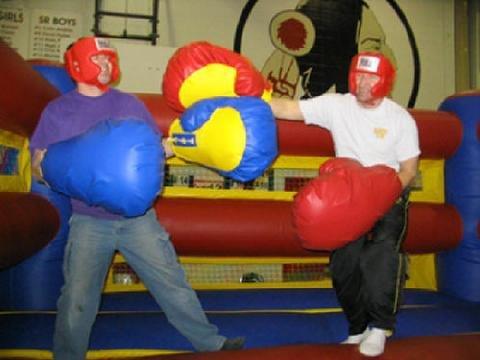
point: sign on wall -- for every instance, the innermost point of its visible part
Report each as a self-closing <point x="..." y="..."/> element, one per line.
<point x="48" y="28"/>
<point x="14" y="28"/>
<point x="38" y="33"/>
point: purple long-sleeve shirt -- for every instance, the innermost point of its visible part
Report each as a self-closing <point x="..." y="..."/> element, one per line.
<point x="73" y="113"/>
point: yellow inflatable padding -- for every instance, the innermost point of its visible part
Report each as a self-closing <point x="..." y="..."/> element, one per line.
<point x="267" y="95"/>
<point x="422" y="272"/>
<point x="15" y="162"/>
<point x="429" y="185"/>
<point x="220" y="142"/>
<point x="209" y="81"/>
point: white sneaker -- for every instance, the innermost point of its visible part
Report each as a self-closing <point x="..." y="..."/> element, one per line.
<point x="374" y="343"/>
<point x="356" y="339"/>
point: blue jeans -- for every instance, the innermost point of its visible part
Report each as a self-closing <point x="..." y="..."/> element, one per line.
<point x="146" y="246"/>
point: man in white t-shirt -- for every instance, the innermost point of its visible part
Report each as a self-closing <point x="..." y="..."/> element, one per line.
<point x="369" y="273"/>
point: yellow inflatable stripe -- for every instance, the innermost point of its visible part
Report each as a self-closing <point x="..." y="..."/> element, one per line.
<point x="220" y="142"/>
<point x="129" y="353"/>
<point x="209" y="81"/>
<point x="253" y="260"/>
<point x="25" y="353"/>
<point x="299" y="162"/>
<point x="282" y="162"/>
<point x="243" y="260"/>
<point x="192" y="193"/>
<point x="91" y="355"/>
<point x="321" y="284"/>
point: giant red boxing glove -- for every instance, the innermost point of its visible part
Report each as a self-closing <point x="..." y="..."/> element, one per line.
<point x="343" y="203"/>
<point x="201" y="70"/>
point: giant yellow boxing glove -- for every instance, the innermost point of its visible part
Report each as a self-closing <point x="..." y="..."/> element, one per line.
<point x="235" y="136"/>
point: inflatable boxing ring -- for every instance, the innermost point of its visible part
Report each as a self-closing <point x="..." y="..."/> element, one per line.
<point x="239" y="248"/>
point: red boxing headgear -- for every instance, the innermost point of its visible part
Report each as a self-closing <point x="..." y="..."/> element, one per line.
<point x="79" y="64"/>
<point x="372" y="63"/>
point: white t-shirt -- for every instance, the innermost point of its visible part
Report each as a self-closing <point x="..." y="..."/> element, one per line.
<point x="384" y="135"/>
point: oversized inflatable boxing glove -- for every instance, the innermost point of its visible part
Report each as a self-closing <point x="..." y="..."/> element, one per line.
<point x="343" y="203"/>
<point x="201" y="70"/>
<point x="117" y="165"/>
<point x="235" y="136"/>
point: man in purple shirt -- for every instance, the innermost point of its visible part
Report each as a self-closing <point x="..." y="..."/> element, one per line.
<point x="95" y="234"/>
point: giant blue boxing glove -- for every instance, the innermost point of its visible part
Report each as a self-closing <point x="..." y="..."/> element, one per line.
<point x="118" y="165"/>
<point x="236" y="136"/>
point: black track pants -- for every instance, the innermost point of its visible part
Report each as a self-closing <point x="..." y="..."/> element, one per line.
<point x="369" y="273"/>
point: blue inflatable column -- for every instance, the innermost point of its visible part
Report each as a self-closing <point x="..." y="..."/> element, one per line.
<point x="57" y="76"/>
<point x="459" y="269"/>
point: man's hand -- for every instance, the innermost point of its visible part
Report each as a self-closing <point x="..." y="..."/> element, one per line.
<point x="38" y="156"/>
<point x="167" y="147"/>
<point x="408" y="171"/>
